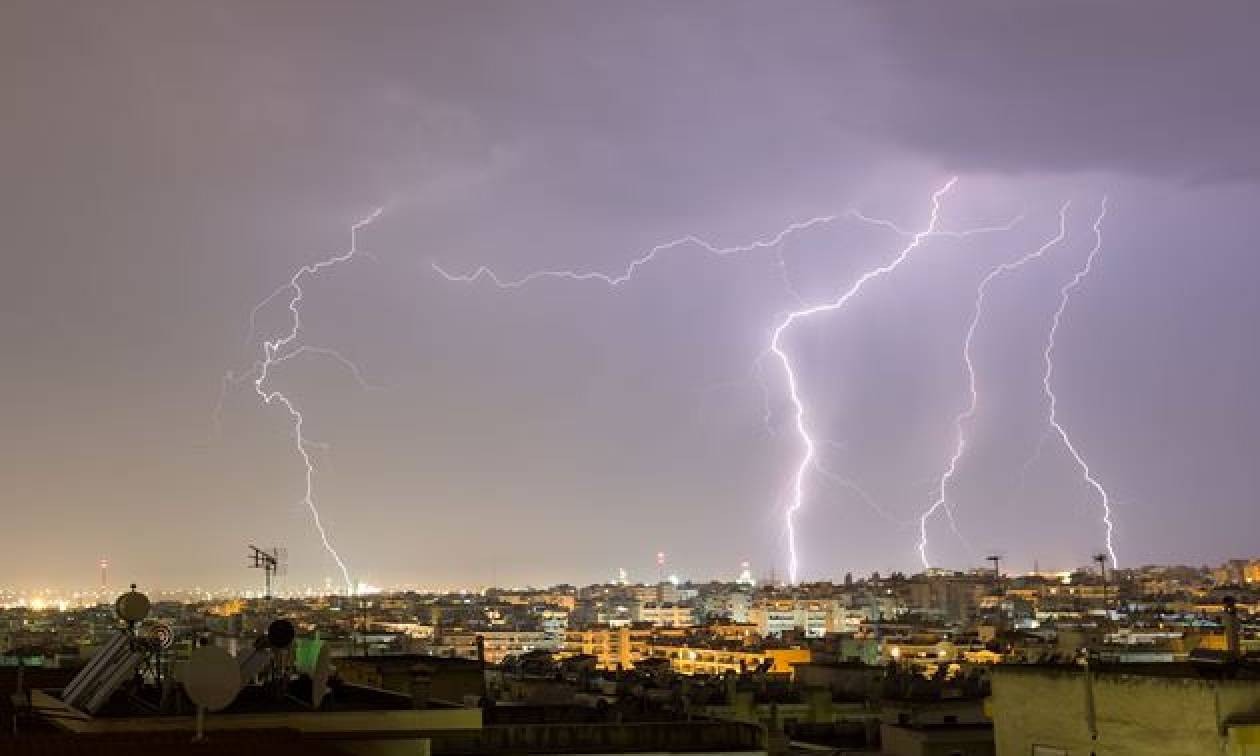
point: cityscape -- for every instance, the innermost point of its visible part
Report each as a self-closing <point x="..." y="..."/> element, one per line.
<point x="907" y="663"/>
<point x="487" y="378"/>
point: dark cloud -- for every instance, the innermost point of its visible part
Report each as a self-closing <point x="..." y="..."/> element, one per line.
<point x="1153" y="88"/>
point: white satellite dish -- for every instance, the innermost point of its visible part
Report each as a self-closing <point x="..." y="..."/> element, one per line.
<point x="211" y="678"/>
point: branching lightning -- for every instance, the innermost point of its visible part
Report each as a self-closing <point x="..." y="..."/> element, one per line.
<point x="281" y="350"/>
<point x="965" y="417"/>
<point x="1065" y="294"/>
<point x="616" y="279"/>
<point x="809" y="459"/>
<point x="794" y="394"/>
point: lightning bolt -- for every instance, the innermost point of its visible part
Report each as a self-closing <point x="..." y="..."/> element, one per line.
<point x="794" y="395"/>
<point x="617" y="279"/>
<point x="1065" y="294"/>
<point x="283" y="349"/>
<point x="775" y="348"/>
<point x="964" y="417"/>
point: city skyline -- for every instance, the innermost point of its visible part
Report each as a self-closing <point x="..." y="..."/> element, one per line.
<point x="172" y="165"/>
<point x="1242" y="574"/>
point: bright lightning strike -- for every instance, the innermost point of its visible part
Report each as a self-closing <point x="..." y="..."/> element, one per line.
<point x="278" y="351"/>
<point x="1065" y="294"/>
<point x="794" y="395"/>
<point x="964" y="417"/>
<point x="809" y="460"/>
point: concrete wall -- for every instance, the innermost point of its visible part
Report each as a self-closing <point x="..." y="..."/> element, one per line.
<point x="662" y="737"/>
<point x="1112" y="714"/>
<point x="1244" y="740"/>
<point x="845" y="680"/>
<point x="906" y="741"/>
<point x="409" y="720"/>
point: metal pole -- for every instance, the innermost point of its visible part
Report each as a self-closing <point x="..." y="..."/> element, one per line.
<point x="1102" y="571"/>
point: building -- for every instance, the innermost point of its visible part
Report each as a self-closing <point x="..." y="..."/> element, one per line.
<point x="497" y="645"/>
<point x="726" y="604"/>
<point x="424" y="678"/>
<point x="813" y="617"/>
<point x="554" y="623"/>
<point x="613" y="647"/>
<point x="1167" y="709"/>
<point x="667" y="615"/>
<point x="936" y="740"/>
<point x="951" y="596"/>
<point x="689" y="659"/>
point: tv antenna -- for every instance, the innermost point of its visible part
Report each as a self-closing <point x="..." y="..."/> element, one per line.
<point x="1101" y="559"/>
<point x="996" y="557"/>
<point x="997" y="565"/>
<point x="272" y="563"/>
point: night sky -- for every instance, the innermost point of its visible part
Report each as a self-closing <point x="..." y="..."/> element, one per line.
<point x="167" y="165"/>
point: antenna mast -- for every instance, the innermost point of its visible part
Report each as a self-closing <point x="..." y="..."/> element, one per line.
<point x="267" y="561"/>
<point x="1101" y="558"/>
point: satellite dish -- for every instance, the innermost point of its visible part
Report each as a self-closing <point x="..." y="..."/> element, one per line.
<point x="280" y="633"/>
<point x="211" y="678"/>
<point x="132" y="606"/>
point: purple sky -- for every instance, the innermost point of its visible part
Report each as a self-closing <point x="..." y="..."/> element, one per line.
<point x="168" y="164"/>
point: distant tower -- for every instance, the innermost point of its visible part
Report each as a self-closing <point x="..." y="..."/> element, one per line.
<point x="745" y="575"/>
<point x="104" y="573"/>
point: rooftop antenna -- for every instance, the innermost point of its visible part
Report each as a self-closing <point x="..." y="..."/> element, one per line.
<point x="996" y="558"/>
<point x="1101" y="558"/>
<point x="271" y="563"/>
<point x="997" y="565"/>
